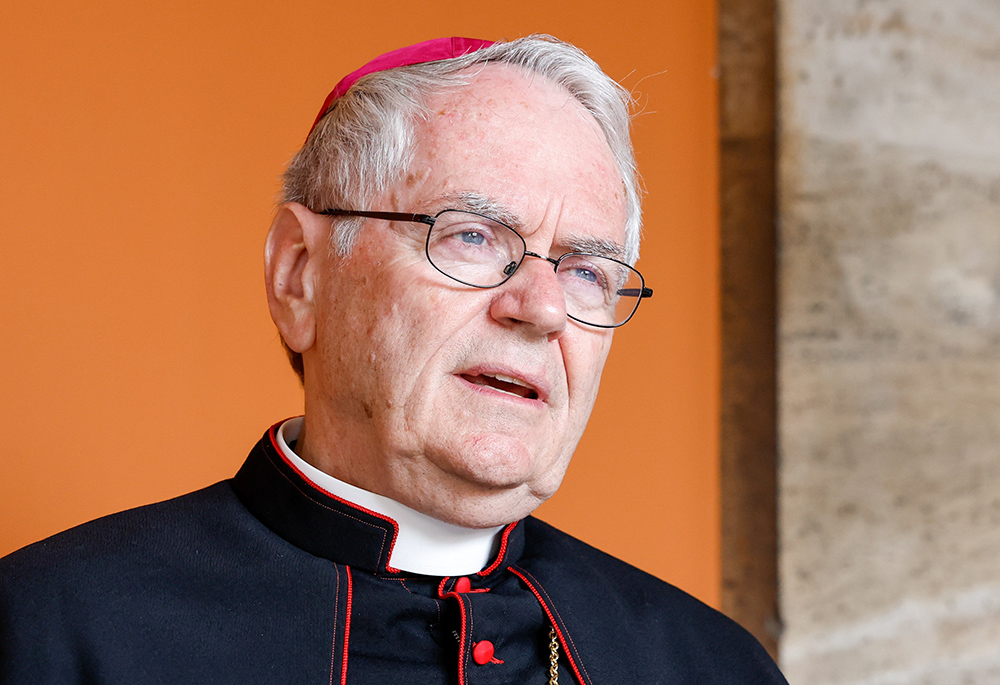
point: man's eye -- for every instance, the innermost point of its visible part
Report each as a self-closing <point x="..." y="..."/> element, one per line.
<point x="468" y="235"/>
<point x="472" y="237"/>
<point x="585" y="274"/>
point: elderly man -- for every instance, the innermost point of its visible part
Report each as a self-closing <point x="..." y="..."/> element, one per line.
<point x="453" y="255"/>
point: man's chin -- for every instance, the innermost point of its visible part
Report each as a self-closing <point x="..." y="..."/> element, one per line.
<point x="492" y="480"/>
<point x="489" y="461"/>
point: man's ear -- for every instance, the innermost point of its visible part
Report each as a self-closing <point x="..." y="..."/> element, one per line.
<point x="294" y="253"/>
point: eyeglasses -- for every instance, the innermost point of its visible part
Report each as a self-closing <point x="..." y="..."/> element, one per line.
<point x="484" y="253"/>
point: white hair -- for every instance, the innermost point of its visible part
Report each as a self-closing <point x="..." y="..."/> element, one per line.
<point x="365" y="141"/>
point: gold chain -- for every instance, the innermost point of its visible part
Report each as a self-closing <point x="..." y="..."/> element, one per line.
<point x="553" y="657"/>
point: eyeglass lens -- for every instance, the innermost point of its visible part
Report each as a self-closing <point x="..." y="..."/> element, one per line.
<point x="480" y="252"/>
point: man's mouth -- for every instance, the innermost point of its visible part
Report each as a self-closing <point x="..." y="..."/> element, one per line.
<point x="507" y="384"/>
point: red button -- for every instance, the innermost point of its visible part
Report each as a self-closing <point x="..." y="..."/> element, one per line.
<point x="463" y="585"/>
<point x="482" y="652"/>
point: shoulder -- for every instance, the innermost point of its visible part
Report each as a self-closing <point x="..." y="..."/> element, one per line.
<point x="615" y="606"/>
<point x="107" y="535"/>
<point x="90" y="583"/>
<point x="566" y="558"/>
<point x="108" y="555"/>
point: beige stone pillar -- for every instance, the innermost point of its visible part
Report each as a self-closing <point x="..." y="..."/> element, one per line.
<point x="889" y="341"/>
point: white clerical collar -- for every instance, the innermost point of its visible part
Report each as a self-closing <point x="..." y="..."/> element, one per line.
<point x="424" y="544"/>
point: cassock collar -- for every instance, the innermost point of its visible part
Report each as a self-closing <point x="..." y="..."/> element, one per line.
<point x="281" y="496"/>
<point x="424" y="544"/>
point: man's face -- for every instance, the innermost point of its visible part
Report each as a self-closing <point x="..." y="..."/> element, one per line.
<point x="467" y="404"/>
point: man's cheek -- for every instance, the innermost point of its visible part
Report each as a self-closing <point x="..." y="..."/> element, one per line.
<point x="584" y="369"/>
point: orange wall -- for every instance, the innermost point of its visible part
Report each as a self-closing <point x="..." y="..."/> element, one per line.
<point x="141" y="144"/>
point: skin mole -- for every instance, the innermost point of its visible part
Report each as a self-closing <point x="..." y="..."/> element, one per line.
<point x="415" y="177"/>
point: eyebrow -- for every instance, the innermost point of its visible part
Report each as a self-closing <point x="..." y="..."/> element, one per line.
<point x="598" y="246"/>
<point x="481" y="204"/>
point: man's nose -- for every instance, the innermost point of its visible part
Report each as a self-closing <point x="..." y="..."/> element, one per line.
<point x="532" y="300"/>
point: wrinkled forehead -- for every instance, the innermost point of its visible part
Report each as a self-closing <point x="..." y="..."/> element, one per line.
<point x="507" y="92"/>
<point x="523" y="141"/>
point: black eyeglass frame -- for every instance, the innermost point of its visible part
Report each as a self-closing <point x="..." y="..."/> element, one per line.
<point x="511" y="269"/>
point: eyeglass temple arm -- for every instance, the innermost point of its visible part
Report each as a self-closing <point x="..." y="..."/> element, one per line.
<point x="387" y="216"/>
<point x="636" y="292"/>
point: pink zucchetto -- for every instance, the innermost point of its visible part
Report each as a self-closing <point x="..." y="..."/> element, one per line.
<point x="428" y="51"/>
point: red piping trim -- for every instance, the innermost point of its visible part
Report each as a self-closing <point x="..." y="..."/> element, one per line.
<point x="347" y="627"/>
<point x="503" y="550"/>
<point x="333" y="644"/>
<point x="552" y="620"/>
<point x="273" y="434"/>
<point x="462" y="636"/>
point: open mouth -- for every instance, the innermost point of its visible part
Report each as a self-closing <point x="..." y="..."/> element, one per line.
<point x="507" y="384"/>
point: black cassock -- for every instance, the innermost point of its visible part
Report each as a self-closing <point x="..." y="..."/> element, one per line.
<point x="266" y="579"/>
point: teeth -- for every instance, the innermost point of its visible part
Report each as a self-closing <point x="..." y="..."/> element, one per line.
<point x="508" y="379"/>
<point x="508" y="392"/>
